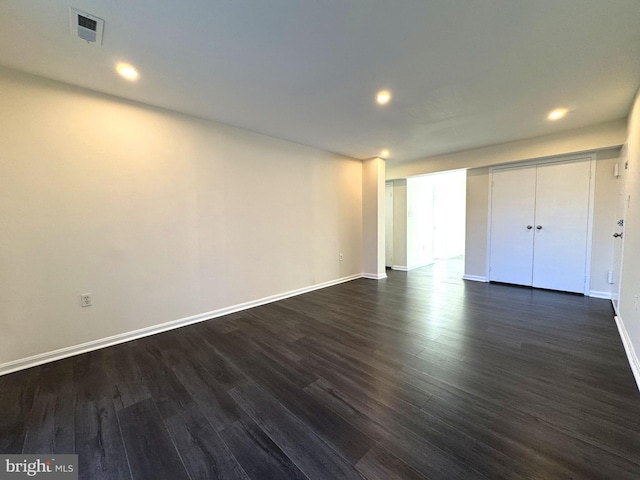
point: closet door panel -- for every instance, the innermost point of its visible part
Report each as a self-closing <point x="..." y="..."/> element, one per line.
<point x="561" y="221"/>
<point x="512" y="211"/>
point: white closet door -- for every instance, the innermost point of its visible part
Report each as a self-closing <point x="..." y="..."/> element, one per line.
<point x="561" y="222"/>
<point x="513" y="199"/>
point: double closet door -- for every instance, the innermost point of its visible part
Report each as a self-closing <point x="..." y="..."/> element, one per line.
<point x="540" y="225"/>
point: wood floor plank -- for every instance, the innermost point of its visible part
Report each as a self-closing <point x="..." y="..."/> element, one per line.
<point x="327" y="424"/>
<point x="326" y="364"/>
<point x="379" y="464"/>
<point x="310" y="454"/>
<point x="168" y="393"/>
<point x="189" y="339"/>
<point x="129" y="385"/>
<point x="448" y="445"/>
<point x="50" y="428"/>
<point x="211" y="397"/>
<point x="98" y="440"/>
<point x="258" y="455"/>
<point x="150" y="451"/>
<point x="205" y="455"/>
<point x="16" y="401"/>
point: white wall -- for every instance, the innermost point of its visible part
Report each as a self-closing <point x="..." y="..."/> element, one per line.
<point x="604" y="221"/>
<point x="449" y="211"/>
<point x="158" y="215"/>
<point x="597" y="137"/>
<point x="476" y="227"/>
<point x="419" y="222"/>
<point x="373" y="219"/>
<point x="400" y="224"/>
<point x="629" y="307"/>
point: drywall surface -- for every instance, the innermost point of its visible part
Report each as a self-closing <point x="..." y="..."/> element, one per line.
<point x="598" y="137"/>
<point x="604" y="220"/>
<point x="400" y="225"/>
<point x="629" y="307"/>
<point x="159" y="216"/>
<point x="477" y="220"/>
<point x="419" y="221"/>
<point x="373" y="224"/>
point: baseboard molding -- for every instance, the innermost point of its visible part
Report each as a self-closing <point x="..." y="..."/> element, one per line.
<point x="61" y="353"/>
<point x="598" y="294"/>
<point x="404" y="268"/>
<point x="628" y="348"/>
<point x="374" y="276"/>
<point x="475" y="278"/>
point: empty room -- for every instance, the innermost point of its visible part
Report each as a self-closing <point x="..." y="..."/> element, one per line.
<point x="228" y="248"/>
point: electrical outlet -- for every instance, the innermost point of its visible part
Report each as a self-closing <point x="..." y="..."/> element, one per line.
<point x="85" y="300"/>
<point x="341" y="257"/>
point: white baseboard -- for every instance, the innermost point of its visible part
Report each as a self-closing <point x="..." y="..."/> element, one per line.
<point x="374" y="276"/>
<point x="404" y="268"/>
<point x="597" y="294"/>
<point x="61" y="353"/>
<point x="628" y="348"/>
<point x="475" y="278"/>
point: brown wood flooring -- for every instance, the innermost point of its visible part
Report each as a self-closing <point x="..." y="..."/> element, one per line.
<point x="422" y="375"/>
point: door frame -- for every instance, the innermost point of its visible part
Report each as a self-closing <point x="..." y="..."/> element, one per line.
<point x="622" y="166"/>
<point x="591" y="158"/>
<point x="388" y="224"/>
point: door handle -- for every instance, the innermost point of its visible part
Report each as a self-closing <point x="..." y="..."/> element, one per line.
<point x="529" y="227"/>
<point x="538" y="227"/>
<point x="617" y="235"/>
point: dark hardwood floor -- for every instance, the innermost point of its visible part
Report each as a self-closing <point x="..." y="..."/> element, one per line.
<point x="422" y="375"/>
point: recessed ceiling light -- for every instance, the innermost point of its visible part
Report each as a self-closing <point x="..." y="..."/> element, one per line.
<point x="385" y="153"/>
<point x="127" y="71"/>
<point x="383" y="97"/>
<point x="557" y="114"/>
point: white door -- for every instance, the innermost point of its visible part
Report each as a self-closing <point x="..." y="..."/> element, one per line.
<point x="388" y="228"/>
<point x="561" y="226"/>
<point x="513" y="199"/>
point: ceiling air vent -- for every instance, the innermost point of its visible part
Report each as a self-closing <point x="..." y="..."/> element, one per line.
<point x="86" y="26"/>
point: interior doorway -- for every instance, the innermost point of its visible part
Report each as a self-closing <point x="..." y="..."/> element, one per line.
<point x="425" y="219"/>
<point x="449" y="214"/>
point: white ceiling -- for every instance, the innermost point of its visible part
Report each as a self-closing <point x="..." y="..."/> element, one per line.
<point x="463" y="73"/>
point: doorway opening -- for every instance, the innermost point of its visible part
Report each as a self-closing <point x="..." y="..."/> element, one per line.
<point x="425" y="219"/>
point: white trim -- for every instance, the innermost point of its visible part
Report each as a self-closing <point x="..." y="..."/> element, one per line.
<point x="374" y="276"/>
<point x="61" y="353"/>
<point x="598" y="294"/>
<point x="475" y="278"/>
<point x="628" y="348"/>
<point x="404" y="268"/>
<point x="592" y="200"/>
